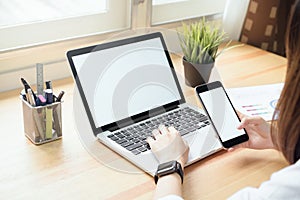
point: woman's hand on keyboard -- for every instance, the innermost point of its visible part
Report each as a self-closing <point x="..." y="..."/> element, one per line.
<point x="167" y="144"/>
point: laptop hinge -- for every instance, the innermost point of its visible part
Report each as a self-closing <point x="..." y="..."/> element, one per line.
<point x="171" y="107"/>
<point x="138" y="119"/>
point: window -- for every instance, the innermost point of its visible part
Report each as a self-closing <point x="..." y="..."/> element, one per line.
<point x="41" y="31"/>
<point x="24" y="23"/>
<point x="16" y="12"/>
<point x="166" y="11"/>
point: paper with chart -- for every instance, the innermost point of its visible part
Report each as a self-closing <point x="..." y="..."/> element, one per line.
<point x="257" y="100"/>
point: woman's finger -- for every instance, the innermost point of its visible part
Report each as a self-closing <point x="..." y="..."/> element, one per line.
<point x="156" y="133"/>
<point x="231" y="149"/>
<point x="241" y="115"/>
<point x="243" y="123"/>
<point x="150" y="140"/>
<point x="172" y="130"/>
<point x="163" y="129"/>
<point x="250" y="120"/>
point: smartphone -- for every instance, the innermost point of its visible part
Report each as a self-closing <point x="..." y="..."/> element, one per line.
<point x="221" y="113"/>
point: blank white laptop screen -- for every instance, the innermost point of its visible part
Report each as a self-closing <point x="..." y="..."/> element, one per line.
<point x="126" y="80"/>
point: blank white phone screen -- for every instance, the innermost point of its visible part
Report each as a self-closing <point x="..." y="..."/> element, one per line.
<point x="221" y="113"/>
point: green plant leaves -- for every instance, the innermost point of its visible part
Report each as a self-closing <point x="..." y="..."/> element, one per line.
<point x="200" y="41"/>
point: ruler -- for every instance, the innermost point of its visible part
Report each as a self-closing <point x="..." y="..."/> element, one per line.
<point x="39" y="78"/>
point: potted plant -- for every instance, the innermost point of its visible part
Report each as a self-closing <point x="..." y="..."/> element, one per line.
<point x="199" y="42"/>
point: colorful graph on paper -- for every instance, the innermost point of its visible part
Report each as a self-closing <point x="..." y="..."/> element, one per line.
<point x="256" y="100"/>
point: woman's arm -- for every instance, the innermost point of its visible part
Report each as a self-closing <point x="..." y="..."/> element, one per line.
<point x="167" y="145"/>
<point x="168" y="185"/>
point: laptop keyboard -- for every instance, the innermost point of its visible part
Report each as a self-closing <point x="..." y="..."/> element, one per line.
<point x="185" y="120"/>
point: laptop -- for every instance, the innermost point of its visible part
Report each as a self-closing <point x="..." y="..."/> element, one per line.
<point x="128" y="88"/>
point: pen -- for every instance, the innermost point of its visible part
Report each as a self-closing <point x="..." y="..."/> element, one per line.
<point x="49" y="110"/>
<point x="31" y="98"/>
<point x="61" y="94"/>
<point x="48" y="92"/>
<point x="48" y="85"/>
<point x="23" y="95"/>
<point x="49" y="96"/>
<point x="26" y="87"/>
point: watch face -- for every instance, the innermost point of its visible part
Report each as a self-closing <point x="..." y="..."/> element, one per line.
<point x="166" y="167"/>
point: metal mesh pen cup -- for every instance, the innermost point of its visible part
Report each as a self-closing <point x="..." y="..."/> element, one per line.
<point x="42" y="124"/>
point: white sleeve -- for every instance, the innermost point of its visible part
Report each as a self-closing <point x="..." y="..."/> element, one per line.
<point x="247" y="193"/>
<point x="284" y="184"/>
<point x="171" y="197"/>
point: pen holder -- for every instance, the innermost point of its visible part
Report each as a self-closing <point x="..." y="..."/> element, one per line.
<point x="42" y="124"/>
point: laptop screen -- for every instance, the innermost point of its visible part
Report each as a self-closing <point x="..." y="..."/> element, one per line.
<point x="125" y="79"/>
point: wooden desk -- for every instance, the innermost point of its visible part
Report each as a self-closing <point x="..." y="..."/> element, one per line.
<point x="65" y="170"/>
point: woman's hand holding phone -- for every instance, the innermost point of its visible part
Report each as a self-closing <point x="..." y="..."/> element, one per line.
<point x="259" y="132"/>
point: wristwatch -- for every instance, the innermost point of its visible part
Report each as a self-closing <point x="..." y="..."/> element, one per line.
<point x="168" y="168"/>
